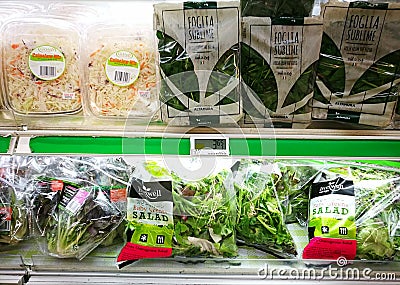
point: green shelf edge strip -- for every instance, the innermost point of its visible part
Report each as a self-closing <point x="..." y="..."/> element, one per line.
<point x="4" y="144"/>
<point x="239" y="147"/>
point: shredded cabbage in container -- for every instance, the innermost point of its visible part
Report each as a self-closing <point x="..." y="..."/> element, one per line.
<point x="30" y="95"/>
<point x="138" y="99"/>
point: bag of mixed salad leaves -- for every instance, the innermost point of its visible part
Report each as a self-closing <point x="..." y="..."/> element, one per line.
<point x="278" y="68"/>
<point x="198" y="47"/>
<point x="14" y="226"/>
<point x="353" y="213"/>
<point x="276" y="8"/>
<point x="358" y="69"/>
<point x="260" y="218"/>
<point x="84" y="217"/>
<point x="171" y="216"/>
<point x="293" y="185"/>
<point x="77" y="203"/>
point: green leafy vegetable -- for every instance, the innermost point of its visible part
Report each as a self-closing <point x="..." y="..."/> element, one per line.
<point x="293" y="188"/>
<point x="277" y="8"/>
<point x="377" y="210"/>
<point x="204" y="215"/>
<point x="260" y="219"/>
<point x="81" y="224"/>
<point x="13" y="214"/>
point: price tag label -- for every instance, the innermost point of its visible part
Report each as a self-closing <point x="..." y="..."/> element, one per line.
<point x="216" y="145"/>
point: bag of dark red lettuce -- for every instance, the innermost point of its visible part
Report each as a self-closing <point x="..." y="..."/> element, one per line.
<point x="76" y="203"/>
<point x="169" y="215"/>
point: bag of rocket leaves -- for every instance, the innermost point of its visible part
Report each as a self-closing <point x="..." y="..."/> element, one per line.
<point x="203" y="213"/>
<point x="377" y="196"/>
<point x="293" y="186"/>
<point x="260" y="218"/>
<point x="276" y="8"/>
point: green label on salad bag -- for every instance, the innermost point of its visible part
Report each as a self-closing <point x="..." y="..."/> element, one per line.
<point x="150" y="221"/>
<point x="358" y="66"/>
<point x="331" y="225"/>
<point x="278" y="68"/>
<point x="47" y="62"/>
<point x="122" y="68"/>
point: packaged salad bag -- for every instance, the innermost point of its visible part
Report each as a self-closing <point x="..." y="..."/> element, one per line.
<point x="260" y="217"/>
<point x="353" y="213"/>
<point x="276" y="8"/>
<point x="169" y="215"/>
<point x="358" y="69"/>
<point x="278" y="68"/>
<point x="198" y="53"/>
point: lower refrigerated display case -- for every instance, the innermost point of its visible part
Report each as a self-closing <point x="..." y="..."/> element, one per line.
<point x="324" y="208"/>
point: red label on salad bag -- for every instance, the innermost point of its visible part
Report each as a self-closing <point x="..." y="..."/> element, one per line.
<point x="330" y="248"/>
<point x="57" y="185"/>
<point x="118" y="195"/>
<point x="133" y="251"/>
<point x="5" y="213"/>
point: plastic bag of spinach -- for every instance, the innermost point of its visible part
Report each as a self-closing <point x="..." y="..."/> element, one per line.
<point x="276" y="8"/>
<point x="358" y="70"/>
<point x="377" y="196"/>
<point x="198" y="47"/>
<point x="278" y="68"/>
<point x="176" y="217"/>
<point x="260" y="219"/>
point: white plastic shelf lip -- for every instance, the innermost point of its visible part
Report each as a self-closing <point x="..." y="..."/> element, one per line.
<point x="6" y="279"/>
<point x="177" y="132"/>
<point x="23" y="145"/>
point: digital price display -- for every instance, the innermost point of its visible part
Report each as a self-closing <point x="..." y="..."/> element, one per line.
<point x="209" y="146"/>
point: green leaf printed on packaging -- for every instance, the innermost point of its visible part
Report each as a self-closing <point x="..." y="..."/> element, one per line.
<point x="224" y="70"/>
<point x="304" y="85"/>
<point x="331" y="69"/>
<point x="258" y="75"/>
<point x="382" y="72"/>
<point x="177" y="66"/>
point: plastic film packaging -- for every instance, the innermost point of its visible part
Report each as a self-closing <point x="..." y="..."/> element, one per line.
<point x="276" y="8"/>
<point x="293" y="186"/>
<point x="358" y="69"/>
<point x="14" y="225"/>
<point x="356" y="214"/>
<point x="278" y="69"/>
<point x="41" y="66"/>
<point x="198" y="46"/>
<point x="10" y="9"/>
<point x="169" y="215"/>
<point x="121" y="72"/>
<point x="69" y="204"/>
<point x="260" y="218"/>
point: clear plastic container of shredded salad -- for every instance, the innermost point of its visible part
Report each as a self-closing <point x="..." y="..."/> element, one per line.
<point x="9" y="9"/>
<point x="121" y="71"/>
<point x="42" y="69"/>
